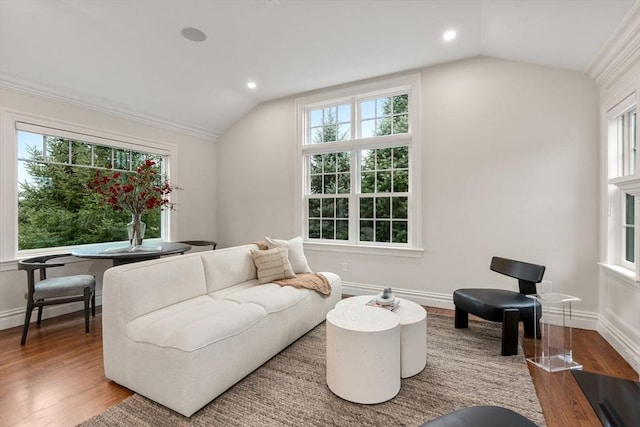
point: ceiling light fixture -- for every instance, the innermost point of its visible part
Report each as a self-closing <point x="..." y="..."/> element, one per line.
<point x="193" y="34"/>
<point x="449" y="35"/>
<point x="252" y="85"/>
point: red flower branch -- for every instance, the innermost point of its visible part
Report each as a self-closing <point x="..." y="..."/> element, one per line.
<point x="146" y="189"/>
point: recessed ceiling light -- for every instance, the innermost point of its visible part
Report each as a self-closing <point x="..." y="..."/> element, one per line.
<point x="193" y="34"/>
<point x="251" y="85"/>
<point x="449" y="35"/>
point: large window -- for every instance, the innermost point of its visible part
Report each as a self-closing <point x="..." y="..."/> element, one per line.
<point x="359" y="162"/>
<point x="54" y="206"/>
<point x="625" y="186"/>
<point x="48" y="206"/>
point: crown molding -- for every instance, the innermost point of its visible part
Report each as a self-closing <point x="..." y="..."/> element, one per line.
<point x="88" y="102"/>
<point x="622" y="49"/>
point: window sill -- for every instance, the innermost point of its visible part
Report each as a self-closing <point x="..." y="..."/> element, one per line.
<point x="366" y="250"/>
<point x="620" y="272"/>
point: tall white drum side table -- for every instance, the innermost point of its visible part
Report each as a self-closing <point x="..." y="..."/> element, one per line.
<point x="363" y="354"/>
<point x="555" y="351"/>
<point x="413" y="332"/>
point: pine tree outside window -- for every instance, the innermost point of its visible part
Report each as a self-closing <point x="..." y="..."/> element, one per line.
<point x="360" y="168"/>
<point x="48" y="206"/>
<point x="55" y="208"/>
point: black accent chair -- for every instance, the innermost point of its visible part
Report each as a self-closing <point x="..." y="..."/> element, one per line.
<point x="508" y="307"/>
<point x="481" y="416"/>
<point x="56" y="290"/>
<point x="211" y="243"/>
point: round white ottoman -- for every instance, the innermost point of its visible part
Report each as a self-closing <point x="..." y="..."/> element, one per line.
<point x="363" y="353"/>
<point x="413" y="332"/>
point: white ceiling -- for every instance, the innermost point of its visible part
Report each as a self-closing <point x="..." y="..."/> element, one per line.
<point x="128" y="56"/>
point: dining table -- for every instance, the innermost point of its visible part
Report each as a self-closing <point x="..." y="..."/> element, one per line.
<point x="122" y="253"/>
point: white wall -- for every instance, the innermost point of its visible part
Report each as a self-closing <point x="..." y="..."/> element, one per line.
<point x="195" y="173"/>
<point x="617" y="71"/>
<point x="509" y="168"/>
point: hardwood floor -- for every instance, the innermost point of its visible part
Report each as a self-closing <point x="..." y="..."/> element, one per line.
<point x="57" y="378"/>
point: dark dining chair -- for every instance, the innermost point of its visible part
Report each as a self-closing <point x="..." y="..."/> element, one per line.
<point x="499" y="305"/>
<point x="55" y="290"/>
<point x="211" y="243"/>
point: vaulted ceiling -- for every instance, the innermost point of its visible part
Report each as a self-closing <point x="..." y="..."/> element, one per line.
<point x="129" y="56"/>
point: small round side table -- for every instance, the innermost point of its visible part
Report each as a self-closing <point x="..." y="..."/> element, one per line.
<point x="363" y="353"/>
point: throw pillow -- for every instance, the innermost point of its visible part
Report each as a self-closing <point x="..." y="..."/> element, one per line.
<point x="272" y="264"/>
<point x="296" y="253"/>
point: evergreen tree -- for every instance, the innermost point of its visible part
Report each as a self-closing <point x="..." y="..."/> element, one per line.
<point x="55" y="208"/>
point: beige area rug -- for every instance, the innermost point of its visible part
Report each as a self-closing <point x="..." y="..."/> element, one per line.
<point x="464" y="368"/>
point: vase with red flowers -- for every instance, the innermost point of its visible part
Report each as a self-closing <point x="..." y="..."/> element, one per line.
<point x="137" y="192"/>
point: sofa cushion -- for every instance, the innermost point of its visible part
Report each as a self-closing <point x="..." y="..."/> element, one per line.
<point x="226" y="267"/>
<point x="296" y="253"/>
<point x="273" y="298"/>
<point x="195" y="323"/>
<point x="272" y="264"/>
<point x="152" y="285"/>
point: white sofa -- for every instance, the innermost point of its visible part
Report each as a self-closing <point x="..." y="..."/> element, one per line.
<point x="181" y="330"/>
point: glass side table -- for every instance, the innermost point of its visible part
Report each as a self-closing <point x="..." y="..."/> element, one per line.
<point x="554" y="352"/>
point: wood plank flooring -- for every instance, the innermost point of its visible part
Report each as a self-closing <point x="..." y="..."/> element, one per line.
<point x="57" y="378"/>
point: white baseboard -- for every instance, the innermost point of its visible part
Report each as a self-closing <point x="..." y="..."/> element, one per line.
<point x="15" y="317"/>
<point x="628" y="349"/>
<point x="431" y="299"/>
<point x="579" y="319"/>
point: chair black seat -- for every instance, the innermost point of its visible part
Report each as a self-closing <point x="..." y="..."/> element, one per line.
<point x="499" y="305"/>
<point x="481" y="416"/>
<point x="491" y="303"/>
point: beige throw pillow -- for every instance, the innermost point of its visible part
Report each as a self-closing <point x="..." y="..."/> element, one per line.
<point x="272" y="264"/>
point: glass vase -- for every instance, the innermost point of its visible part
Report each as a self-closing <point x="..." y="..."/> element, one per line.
<point x="135" y="230"/>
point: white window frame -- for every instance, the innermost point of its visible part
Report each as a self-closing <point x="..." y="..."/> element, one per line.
<point x="353" y="95"/>
<point x="623" y="179"/>
<point x="13" y="120"/>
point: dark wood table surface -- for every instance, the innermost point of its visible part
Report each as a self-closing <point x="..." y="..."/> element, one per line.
<point x="120" y="252"/>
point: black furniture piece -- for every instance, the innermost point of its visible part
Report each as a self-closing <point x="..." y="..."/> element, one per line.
<point x="56" y="290"/>
<point x="616" y="401"/>
<point x="481" y="416"/>
<point x="120" y="253"/>
<point x="508" y="307"/>
<point x="211" y="243"/>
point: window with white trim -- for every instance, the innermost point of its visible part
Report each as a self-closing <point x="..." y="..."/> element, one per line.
<point x="48" y="205"/>
<point x="624" y="182"/>
<point x="359" y="157"/>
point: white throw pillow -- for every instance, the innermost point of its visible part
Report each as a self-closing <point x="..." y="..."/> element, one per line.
<point x="296" y="253"/>
<point x="272" y="265"/>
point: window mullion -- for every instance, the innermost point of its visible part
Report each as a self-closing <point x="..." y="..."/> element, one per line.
<point x="355" y="197"/>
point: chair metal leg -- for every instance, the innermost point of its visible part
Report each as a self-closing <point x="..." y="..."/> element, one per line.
<point x="93" y="304"/>
<point x="462" y="319"/>
<point x="27" y="320"/>
<point x="510" y="318"/>
<point x="87" y="299"/>
<point x="39" y="315"/>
